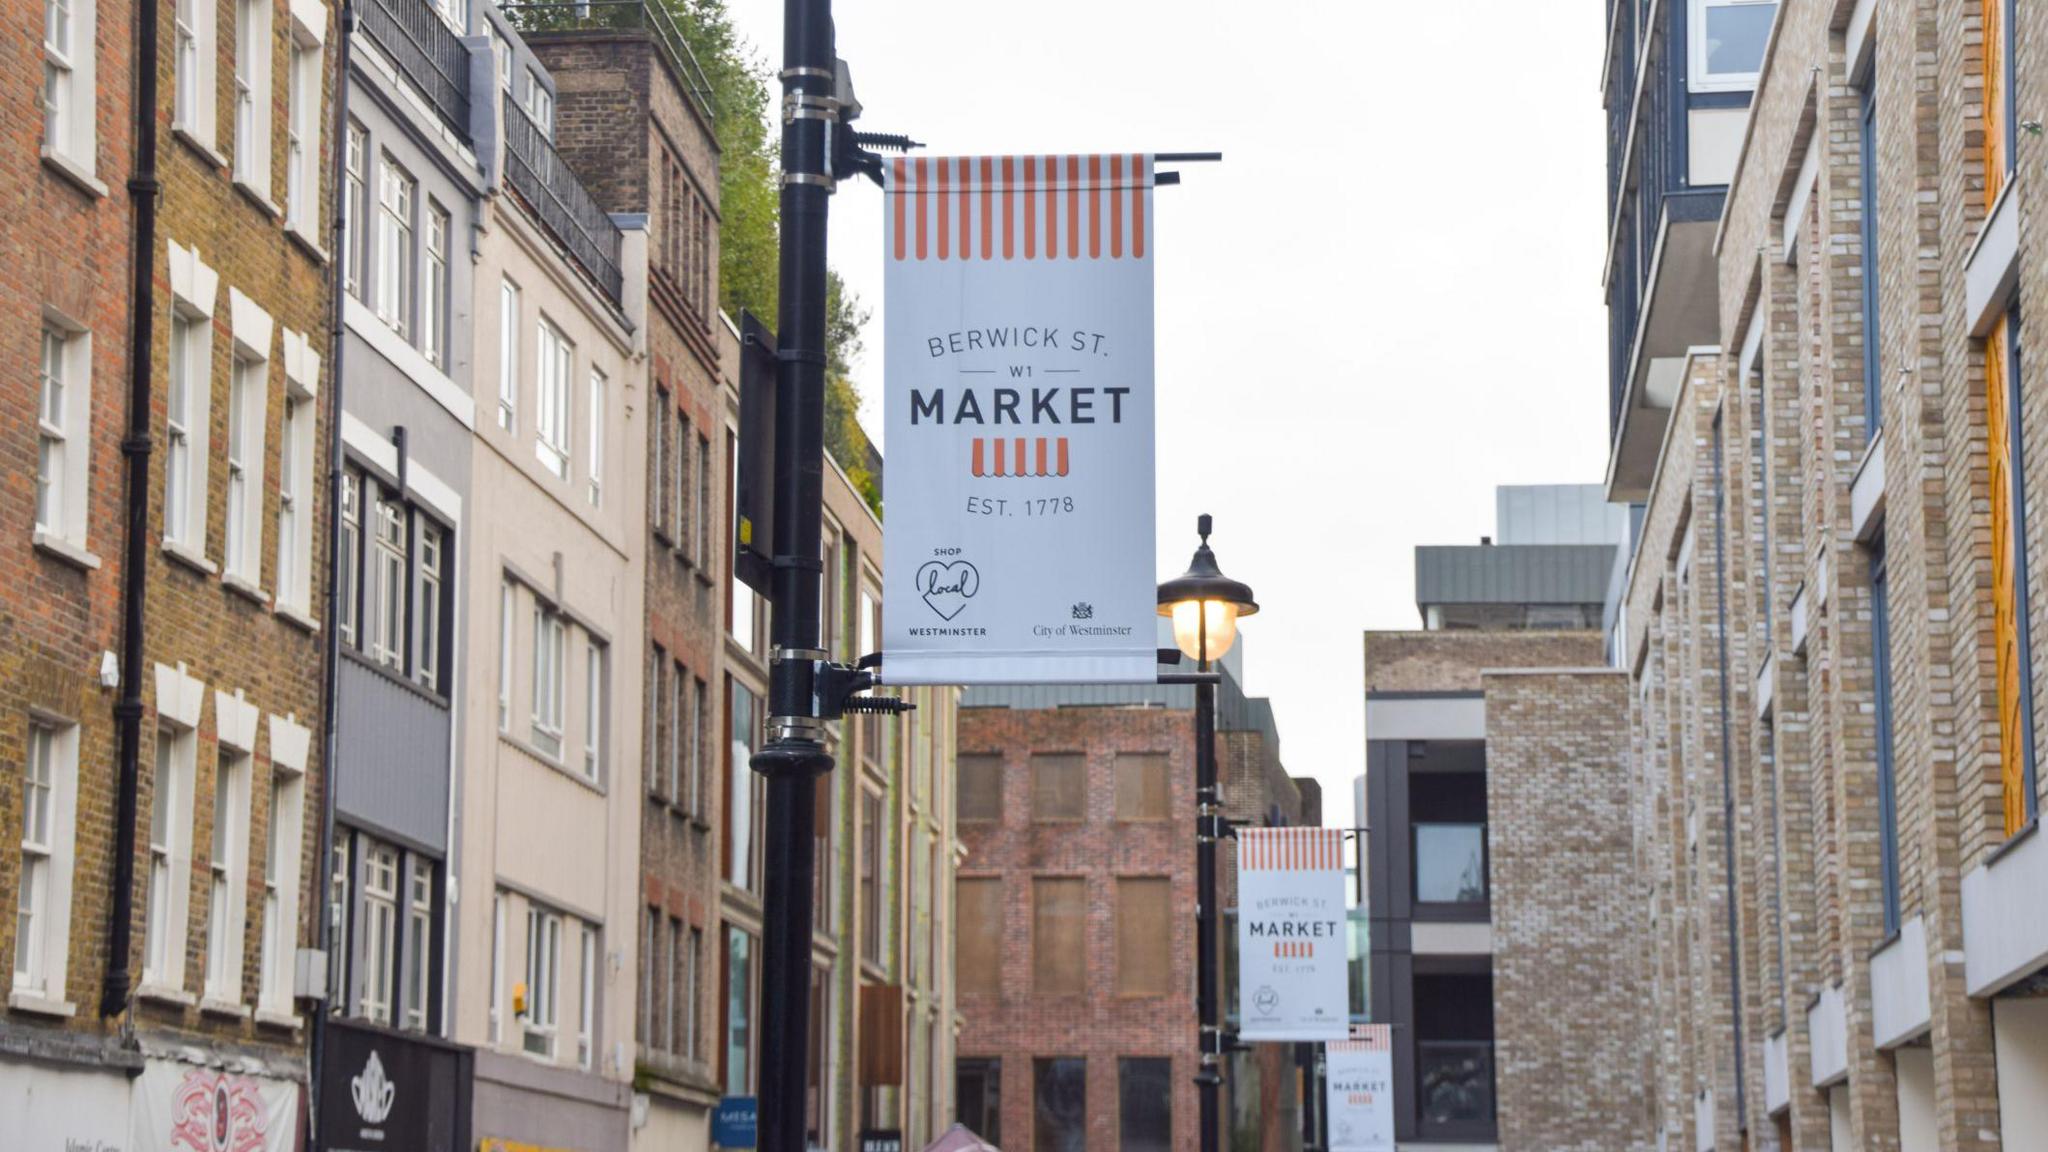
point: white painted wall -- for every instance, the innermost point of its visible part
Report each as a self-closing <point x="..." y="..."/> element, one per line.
<point x="1916" y="1100"/>
<point x="1838" y="1119"/>
<point x="1713" y="141"/>
<point x="2020" y="1038"/>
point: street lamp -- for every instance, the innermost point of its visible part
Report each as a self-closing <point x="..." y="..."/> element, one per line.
<point x="1205" y="606"/>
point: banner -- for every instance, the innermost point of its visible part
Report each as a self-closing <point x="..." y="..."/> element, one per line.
<point x="181" y="1107"/>
<point x="1358" y="1078"/>
<point x="1017" y="357"/>
<point x="1291" y="946"/>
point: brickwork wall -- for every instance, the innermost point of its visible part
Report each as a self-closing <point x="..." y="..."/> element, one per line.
<point x="1564" y="907"/>
<point x="1452" y="661"/>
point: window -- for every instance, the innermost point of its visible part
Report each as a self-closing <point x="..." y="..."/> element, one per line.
<point x="68" y="95"/>
<point x="508" y="355"/>
<point x="738" y="1058"/>
<point x="1873" y="358"/>
<point x="387" y="580"/>
<point x="302" y="133"/>
<point x="671" y="995"/>
<point x="1450" y="863"/>
<point x="497" y="1009"/>
<point x="701" y="520"/>
<point x="870" y="878"/>
<point x="743" y="791"/>
<point x="658" y="453"/>
<point x="540" y="104"/>
<point x="419" y="936"/>
<point x="433" y="582"/>
<point x="818" y="1062"/>
<point x="185" y="431"/>
<point x="1060" y="1105"/>
<point x="507" y="600"/>
<point x="280" y="889"/>
<point x="455" y="13"/>
<point x="978" y="934"/>
<point x="1144" y="1092"/>
<point x="2001" y="120"/>
<point x="246" y="395"/>
<point x="700" y="708"/>
<point x="680" y="502"/>
<point x="252" y="95"/>
<point x="693" y="962"/>
<point x="170" y="826"/>
<point x="60" y="416"/>
<point x="978" y="1096"/>
<point x="549" y="640"/>
<point x="1728" y="38"/>
<point x="380" y="931"/>
<point x="42" y="925"/>
<point x="594" y="460"/>
<point x="646" y="1030"/>
<point x="586" y="1000"/>
<point x="2013" y="641"/>
<point x="543" y="967"/>
<point x="294" y="480"/>
<point x="595" y="709"/>
<point x="434" y="288"/>
<point x="1141" y="786"/>
<point x="1059" y="935"/>
<point x="355" y="205"/>
<point x="394" y="272"/>
<point x="193" y="62"/>
<point x="348" y="591"/>
<point x="553" y="407"/>
<point x="1058" y="787"/>
<point x="657" y="715"/>
<point x="1144" y="936"/>
<point x="671" y="769"/>
<point x="821" y="847"/>
<point x="501" y="51"/>
<point x="224" y="873"/>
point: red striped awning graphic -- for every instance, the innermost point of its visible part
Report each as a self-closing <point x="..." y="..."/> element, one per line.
<point x="1290" y="849"/>
<point x="1365" y="1038"/>
<point x="1062" y="207"/>
<point x="1019" y="456"/>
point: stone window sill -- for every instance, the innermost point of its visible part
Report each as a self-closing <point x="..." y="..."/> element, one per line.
<point x="306" y="240"/>
<point x="73" y="172"/>
<point x="258" y="197"/>
<point x="161" y="994"/>
<point x="184" y="134"/>
<point x="241" y="586"/>
<point x="271" y="1018"/>
<point x="292" y="615"/>
<point x="62" y="550"/>
<point x="190" y="557"/>
<point x="224" y="1008"/>
<point x="37" y="1004"/>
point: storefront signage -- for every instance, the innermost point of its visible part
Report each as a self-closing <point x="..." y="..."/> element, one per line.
<point x="179" y="1107"/>
<point x="1018" y="403"/>
<point x="735" y="1122"/>
<point x="1359" y="1086"/>
<point x="1291" y="944"/>
<point x="881" y="1140"/>
<point x="384" y="1091"/>
<point x="54" y="1109"/>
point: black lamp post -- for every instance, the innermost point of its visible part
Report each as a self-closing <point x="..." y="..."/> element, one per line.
<point x="1205" y="605"/>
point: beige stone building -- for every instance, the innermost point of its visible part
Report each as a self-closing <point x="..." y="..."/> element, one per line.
<point x="1824" y="412"/>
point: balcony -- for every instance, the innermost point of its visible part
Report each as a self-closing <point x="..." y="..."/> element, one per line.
<point x="427" y="52"/>
<point x="537" y="18"/>
<point x="537" y="174"/>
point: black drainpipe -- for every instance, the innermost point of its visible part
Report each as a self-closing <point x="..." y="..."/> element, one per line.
<point x="1728" y="772"/>
<point x="135" y="450"/>
<point x="331" y="653"/>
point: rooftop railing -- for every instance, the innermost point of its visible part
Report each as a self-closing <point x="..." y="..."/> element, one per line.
<point x="426" y="51"/>
<point x="530" y="16"/>
<point x="541" y="179"/>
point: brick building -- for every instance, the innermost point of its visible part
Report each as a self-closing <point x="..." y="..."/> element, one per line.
<point x="1499" y="857"/>
<point x="195" y="745"/>
<point x="1075" y="933"/>
<point x="633" y="120"/>
<point x="1833" y="441"/>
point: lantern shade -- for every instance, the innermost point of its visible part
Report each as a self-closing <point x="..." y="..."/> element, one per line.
<point x="1205" y="604"/>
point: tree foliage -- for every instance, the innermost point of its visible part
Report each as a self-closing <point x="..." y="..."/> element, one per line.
<point x="749" y="208"/>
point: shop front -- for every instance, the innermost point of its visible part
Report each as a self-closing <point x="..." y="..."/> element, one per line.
<point x="386" y="1091"/>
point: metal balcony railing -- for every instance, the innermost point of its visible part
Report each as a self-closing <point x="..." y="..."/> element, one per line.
<point x="426" y="51"/>
<point x="543" y="182"/>
<point x="531" y="16"/>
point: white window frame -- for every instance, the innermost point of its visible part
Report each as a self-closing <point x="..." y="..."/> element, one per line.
<point x="496" y="1015"/>
<point x="550" y="644"/>
<point x="501" y="52"/>
<point x="355" y="205"/>
<point x="170" y="856"/>
<point x="349" y="580"/>
<point x="454" y="13"/>
<point x="540" y="104"/>
<point x="594" y="466"/>
<point x="70" y="95"/>
<point x="508" y="602"/>
<point x="188" y="401"/>
<point x="194" y="57"/>
<point x="543" y="970"/>
<point x="586" y="1002"/>
<point x="294" y="576"/>
<point x="388" y="573"/>
<point x="508" y="355"/>
<point x="227" y="875"/>
<point x="381" y="865"/>
<point x="63" y="427"/>
<point x="596" y="697"/>
<point x="283" y="837"/>
<point x="253" y="96"/>
<point x="434" y="286"/>
<point x="1698" y="79"/>
<point x="304" y="97"/>
<point x="48" y="856"/>
<point x="431" y="601"/>
<point x="551" y="407"/>
<point x="392" y="279"/>
<point x="248" y="420"/>
<point x="418" y="960"/>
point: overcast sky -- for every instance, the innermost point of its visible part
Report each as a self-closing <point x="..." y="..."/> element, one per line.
<point x="1383" y="303"/>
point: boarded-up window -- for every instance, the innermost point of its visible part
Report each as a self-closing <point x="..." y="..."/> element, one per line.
<point x="1144" y="936"/>
<point x="1059" y="787"/>
<point x="980" y="795"/>
<point x="978" y="959"/>
<point x="1140" y="786"/>
<point x="1059" y="945"/>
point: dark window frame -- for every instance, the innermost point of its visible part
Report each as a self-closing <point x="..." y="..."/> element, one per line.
<point x="1881" y="694"/>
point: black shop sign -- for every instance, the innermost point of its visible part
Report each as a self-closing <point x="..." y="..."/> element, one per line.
<point x="386" y="1091"/>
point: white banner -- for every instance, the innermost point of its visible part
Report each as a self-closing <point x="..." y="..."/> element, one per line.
<point x="189" y="1108"/>
<point x="1358" y="1077"/>
<point x="1291" y="948"/>
<point x="1017" y="353"/>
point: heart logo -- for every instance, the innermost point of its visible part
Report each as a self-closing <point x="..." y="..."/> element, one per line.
<point x="947" y="588"/>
